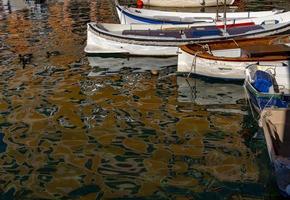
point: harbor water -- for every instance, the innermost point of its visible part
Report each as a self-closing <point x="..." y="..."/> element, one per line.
<point x="74" y="126"/>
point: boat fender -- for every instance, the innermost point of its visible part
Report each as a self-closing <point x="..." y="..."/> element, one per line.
<point x="140" y="4"/>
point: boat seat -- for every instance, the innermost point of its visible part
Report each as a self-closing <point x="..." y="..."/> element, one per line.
<point x="153" y="33"/>
<point x="242" y="30"/>
<point x="197" y="32"/>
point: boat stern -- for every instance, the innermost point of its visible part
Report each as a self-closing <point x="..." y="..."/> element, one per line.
<point x="99" y="45"/>
<point x="185" y="62"/>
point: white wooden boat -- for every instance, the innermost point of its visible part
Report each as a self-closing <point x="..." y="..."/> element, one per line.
<point x="129" y="15"/>
<point x="164" y="40"/>
<point x="186" y="3"/>
<point x="276" y="126"/>
<point x="268" y="86"/>
<point x="229" y="59"/>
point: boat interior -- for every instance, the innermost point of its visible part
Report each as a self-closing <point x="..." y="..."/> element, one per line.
<point x="277" y="122"/>
<point x="193" y="32"/>
<point x="179" y="32"/>
<point x="278" y="76"/>
<point x="261" y="49"/>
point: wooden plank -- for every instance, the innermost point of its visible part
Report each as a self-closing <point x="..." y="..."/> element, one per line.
<point x="265" y="50"/>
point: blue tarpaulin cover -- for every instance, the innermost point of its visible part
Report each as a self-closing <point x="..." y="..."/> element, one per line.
<point x="262" y="81"/>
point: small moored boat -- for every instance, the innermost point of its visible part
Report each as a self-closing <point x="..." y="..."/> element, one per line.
<point x="164" y="40"/>
<point x="276" y="126"/>
<point x="268" y="86"/>
<point x="186" y="3"/>
<point x="129" y="15"/>
<point x="229" y="59"/>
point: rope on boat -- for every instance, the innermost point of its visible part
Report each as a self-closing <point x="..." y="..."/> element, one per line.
<point x="247" y="97"/>
<point x="267" y="102"/>
<point x="235" y="42"/>
<point x="205" y="46"/>
<point x="193" y="63"/>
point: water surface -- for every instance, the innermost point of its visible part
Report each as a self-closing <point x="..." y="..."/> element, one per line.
<point x="77" y="127"/>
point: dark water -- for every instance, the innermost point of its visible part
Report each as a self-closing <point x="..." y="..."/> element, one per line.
<point x="77" y="127"/>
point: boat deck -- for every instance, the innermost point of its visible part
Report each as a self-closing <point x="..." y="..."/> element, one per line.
<point x="193" y="32"/>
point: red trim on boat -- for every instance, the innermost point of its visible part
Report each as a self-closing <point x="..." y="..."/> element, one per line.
<point x="237" y="25"/>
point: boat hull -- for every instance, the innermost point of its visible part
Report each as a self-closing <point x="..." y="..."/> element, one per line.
<point x="222" y="69"/>
<point x="102" y="45"/>
<point x="185" y="3"/>
<point x="277" y="142"/>
<point x="100" y="40"/>
<point x="128" y="15"/>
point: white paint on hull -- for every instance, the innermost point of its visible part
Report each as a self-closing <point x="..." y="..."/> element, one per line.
<point x="108" y="38"/>
<point x="188" y="63"/>
<point x="97" y="44"/>
<point x="185" y="3"/>
<point x="186" y="17"/>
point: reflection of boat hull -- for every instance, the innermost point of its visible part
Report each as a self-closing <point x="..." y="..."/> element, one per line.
<point x="185" y="3"/>
<point x="16" y="4"/>
<point x="204" y="93"/>
<point x="115" y="64"/>
<point x="128" y="15"/>
<point x="275" y="97"/>
<point x="228" y="59"/>
<point x="276" y="126"/>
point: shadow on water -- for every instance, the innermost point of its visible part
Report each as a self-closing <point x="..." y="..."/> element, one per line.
<point x="75" y="127"/>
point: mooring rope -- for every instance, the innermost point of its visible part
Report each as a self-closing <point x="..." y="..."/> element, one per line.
<point x="193" y="63"/>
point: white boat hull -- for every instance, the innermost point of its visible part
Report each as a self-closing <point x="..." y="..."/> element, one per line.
<point x="97" y="45"/>
<point x="128" y="15"/>
<point x="185" y="3"/>
<point x="188" y="63"/>
<point x="108" y="38"/>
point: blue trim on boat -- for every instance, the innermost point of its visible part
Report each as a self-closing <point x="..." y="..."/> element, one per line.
<point x="150" y="21"/>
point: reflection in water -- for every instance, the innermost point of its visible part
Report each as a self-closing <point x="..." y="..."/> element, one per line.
<point x="125" y="134"/>
<point x="205" y="93"/>
<point x="109" y="65"/>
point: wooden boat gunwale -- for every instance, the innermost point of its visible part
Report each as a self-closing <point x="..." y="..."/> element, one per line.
<point x="264" y="95"/>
